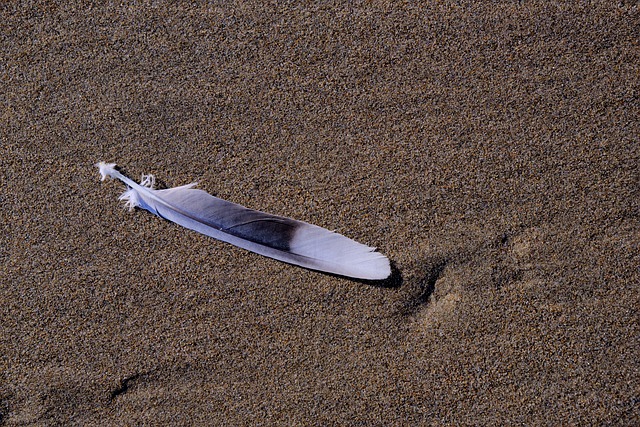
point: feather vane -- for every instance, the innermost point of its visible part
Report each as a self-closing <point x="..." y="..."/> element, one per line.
<point x="285" y="239"/>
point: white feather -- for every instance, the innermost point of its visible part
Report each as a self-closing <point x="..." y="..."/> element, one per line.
<point x="284" y="239"/>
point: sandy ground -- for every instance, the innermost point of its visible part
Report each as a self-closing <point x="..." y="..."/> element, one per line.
<point x="491" y="151"/>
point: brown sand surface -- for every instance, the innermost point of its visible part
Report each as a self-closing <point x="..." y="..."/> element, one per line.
<point x="490" y="149"/>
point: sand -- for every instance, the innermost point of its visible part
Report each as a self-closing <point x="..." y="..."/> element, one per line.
<point x="490" y="150"/>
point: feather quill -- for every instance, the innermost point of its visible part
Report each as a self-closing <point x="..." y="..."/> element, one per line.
<point x="284" y="239"/>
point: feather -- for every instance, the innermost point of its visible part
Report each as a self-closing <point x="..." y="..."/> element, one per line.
<point x="284" y="239"/>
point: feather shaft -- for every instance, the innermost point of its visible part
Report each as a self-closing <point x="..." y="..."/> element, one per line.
<point x="285" y="239"/>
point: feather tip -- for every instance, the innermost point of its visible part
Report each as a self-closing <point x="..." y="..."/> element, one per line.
<point x="106" y="169"/>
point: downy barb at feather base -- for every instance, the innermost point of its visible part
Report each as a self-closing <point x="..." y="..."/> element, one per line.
<point x="284" y="239"/>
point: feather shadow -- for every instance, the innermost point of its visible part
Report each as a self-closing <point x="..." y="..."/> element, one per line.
<point x="394" y="281"/>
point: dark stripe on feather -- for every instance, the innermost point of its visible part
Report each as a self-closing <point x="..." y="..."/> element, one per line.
<point x="258" y="227"/>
